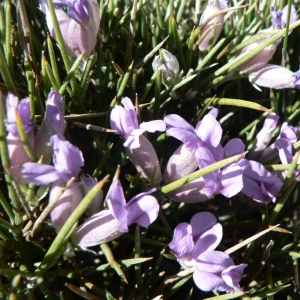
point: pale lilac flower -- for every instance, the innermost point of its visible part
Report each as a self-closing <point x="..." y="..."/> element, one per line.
<point x="227" y="181"/>
<point x="208" y="131"/>
<point x="53" y="123"/>
<point x="125" y="122"/>
<point x="284" y="145"/>
<point x="264" y="136"/>
<point x="79" y="25"/>
<point x="286" y="132"/>
<point x="78" y="10"/>
<point x="109" y="224"/>
<point x="275" y="77"/>
<point x="259" y="184"/>
<point x="261" y="58"/>
<point x="189" y="241"/>
<point x="213" y="7"/>
<point x="217" y="271"/>
<point x="141" y="152"/>
<point x="67" y="160"/>
<point x="279" y="18"/>
<point x="17" y="154"/>
<point x="203" y="143"/>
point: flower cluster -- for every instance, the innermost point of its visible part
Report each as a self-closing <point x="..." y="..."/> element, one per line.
<point x="46" y="157"/>
<point x="193" y="244"/>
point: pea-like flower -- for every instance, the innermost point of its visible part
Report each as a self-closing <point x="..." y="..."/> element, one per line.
<point x="17" y="153"/>
<point x="53" y="123"/>
<point x="109" y="224"/>
<point x="217" y="271"/>
<point x="139" y="149"/>
<point x="203" y="233"/>
<point x="79" y="24"/>
<point x="68" y="161"/>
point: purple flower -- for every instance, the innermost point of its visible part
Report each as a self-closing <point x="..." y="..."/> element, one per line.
<point x="53" y="123"/>
<point x="227" y="181"/>
<point x="191" y="240"/>
<point x="17" y="154"/>
<point x="264" y="136"/>
<point x="286" y="132"/>
<point x="216" y="271"/>
<point x="67" y="160"/>
<point x="284" y="145"/>
<point x="259" y="184"/>
<point x="279" y="18"/>
<point x="23" y="108"/>
<point x="207" y="133"/>
<point x="141" y="152"/>
<point x="256" y="64"/>
<point x="125" y="122"/>
<point x="79" y="25"/>
<point x="203" y="143"/>
<point x="213" y="7"/>
<point x="78" y="10"/>
<point x="110" y="224"/>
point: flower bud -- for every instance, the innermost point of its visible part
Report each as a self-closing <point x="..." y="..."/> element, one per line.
<point x="168" y="64"/>
<point x="213" y="7"/>
<point x="275" y="77"/>
<point x="261" y="58"/>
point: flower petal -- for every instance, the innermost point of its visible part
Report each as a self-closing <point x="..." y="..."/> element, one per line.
<point x="67" y="158"/>
<point x="117" y="204"/>
<point x="142" y="209"/>
<point x="100" y="228"/>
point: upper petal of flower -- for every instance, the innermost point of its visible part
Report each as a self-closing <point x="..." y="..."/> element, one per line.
<point x="142" y="209"/>
<point x="124" y="119"/>
<point x="67" y="158"/>
<point x="117" y="204"/>
<point x="209" y="131"/>
<point x="207" y="233"/>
